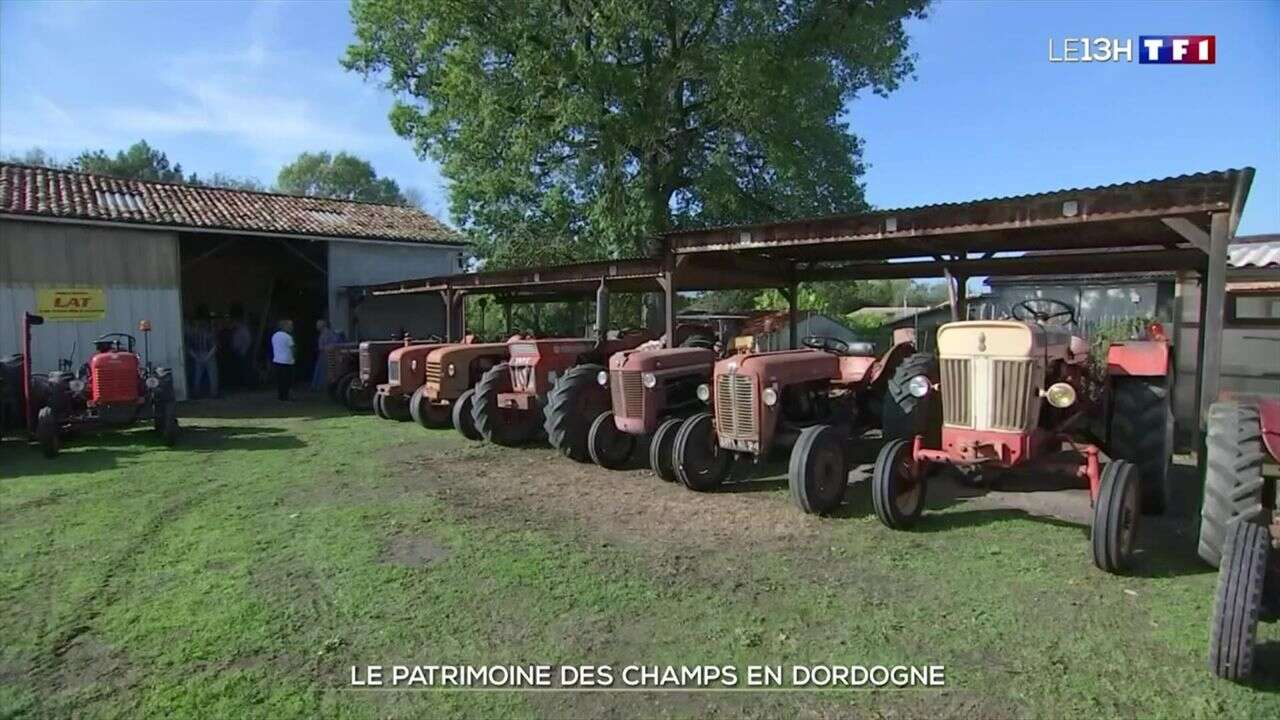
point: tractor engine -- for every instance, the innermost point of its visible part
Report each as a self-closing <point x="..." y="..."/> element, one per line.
<point x="113" y="378"/>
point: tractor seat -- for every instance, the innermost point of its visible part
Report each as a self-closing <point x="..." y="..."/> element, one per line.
<point x="861" y="349"/>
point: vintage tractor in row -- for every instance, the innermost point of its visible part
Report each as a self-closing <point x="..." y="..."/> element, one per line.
<point x="812" y="402"/>
<point x="1240" y="529"/>
<point x="406" y="373"/>
<point x="359" y="387"/>
<point x="1014" y="391"/>
<point x="452" y="373"/>
<point x="116" y="388"/>
<point x="652" y="390"/>
<point x="342" y="362"/>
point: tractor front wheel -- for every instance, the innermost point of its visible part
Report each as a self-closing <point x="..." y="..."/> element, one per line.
<point x="463" y="422"/>
<point x="358" y="397"/>
<point x="1241" y="581"/>
<point x="499" y="425"/>
<point x="1232" y="476"/>
<point x="340" y="386"/>
<point x="378" y="409"/>
<point x="1115" y="517"/>
<point x="898" y="486"/>
<point x="608" y="446"/>
<point x="819" y="470"/>
<point x="396" y="408"/>
<point x="1142" y="433"/>
<point x="701" y="464"/>
<point x="47" y="433"/>
<point x="575" y="401"/>
<point x="662" y="449"/>
<point x="429" y="415"/>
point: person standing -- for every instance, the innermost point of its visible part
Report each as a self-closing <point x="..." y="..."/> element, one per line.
<point x="242" y="348"/>
<point x="202" y="347"/>
<point x="282" y="358"/>
<point x="327" y="337"/>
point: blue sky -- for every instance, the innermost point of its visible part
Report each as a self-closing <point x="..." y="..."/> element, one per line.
<point x="242" y="88"/>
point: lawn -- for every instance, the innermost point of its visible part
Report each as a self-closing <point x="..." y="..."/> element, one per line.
<point x="242" y="573"/>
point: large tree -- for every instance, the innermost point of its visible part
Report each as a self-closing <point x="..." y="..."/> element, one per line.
<point x="337" y="176"/>
<point x="599" y="124"/>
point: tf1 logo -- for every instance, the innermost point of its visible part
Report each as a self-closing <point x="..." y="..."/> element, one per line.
<point x="1150" y="49"/>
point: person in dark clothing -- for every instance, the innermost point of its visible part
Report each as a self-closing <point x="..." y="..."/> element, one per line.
<point x="282" y="358"/>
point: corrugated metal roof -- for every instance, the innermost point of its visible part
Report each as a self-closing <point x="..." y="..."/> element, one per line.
<point x="1255" y="251"/>
<point x="66" y="194"/>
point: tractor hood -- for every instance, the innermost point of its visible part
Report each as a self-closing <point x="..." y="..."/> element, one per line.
<point x="784" y="367"/>
<point x="662" y="359"/>
<point x="1001" y="338"/>
<point x="462" y="352"/>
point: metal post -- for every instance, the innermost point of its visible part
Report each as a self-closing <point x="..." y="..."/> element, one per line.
<point x="506" y="314"/>
<point x="667" y="283"/>
<point x="1213" y="296"/>
<point x="447" y="297"/>
<point x="793" y="315"/>
<point x="602" y="312"/>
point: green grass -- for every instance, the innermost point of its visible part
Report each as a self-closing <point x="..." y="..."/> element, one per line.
<point x="242" y="573"/>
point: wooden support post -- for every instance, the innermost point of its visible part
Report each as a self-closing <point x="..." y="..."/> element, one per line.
<point x="667" y="282"/>
<point x="1213" y="296"/>
<point x="793" y="315"/>
<point x="446" y="296"/>
<point x="952" y="294"/>
<point x="506" y="315"/>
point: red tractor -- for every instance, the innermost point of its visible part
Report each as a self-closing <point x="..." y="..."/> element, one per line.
<point x="358" y="388"/>
<point x="652" y="390"/>
<point x="114" y="389"/>
<point x="1013" y="391"/>
<point x="547" y="385"/>
<point x="1240" y="529"/>
<point x="406" y="372"/>
<point x="812" y="401"/>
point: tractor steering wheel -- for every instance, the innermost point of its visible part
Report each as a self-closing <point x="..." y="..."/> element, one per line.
<point x="108" y="338"/>
<point x="1044" y="311"/>
<point x="833" y="345"/>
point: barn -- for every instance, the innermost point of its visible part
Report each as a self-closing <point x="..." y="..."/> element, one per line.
<point x="99" y="254"/>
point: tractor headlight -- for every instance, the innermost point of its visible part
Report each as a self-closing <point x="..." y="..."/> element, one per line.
<point x="649" y="380"/>
<point x="451" y="369"/>
<point x="704" y="392"/>
<point x="153" y="382"/>
<point x="918" y="386"/>
<point x="770" y="396"/>
<point x="77" y="385"/>
<point x="1061" y="395"/>
<point x="602" y="377"/>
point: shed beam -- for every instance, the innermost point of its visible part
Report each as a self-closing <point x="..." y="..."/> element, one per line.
<point x="1213" y="292"/>
<point x="1191" y="232"/>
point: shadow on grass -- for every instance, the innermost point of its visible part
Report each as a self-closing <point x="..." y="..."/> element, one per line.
<point x="259" y="404"/>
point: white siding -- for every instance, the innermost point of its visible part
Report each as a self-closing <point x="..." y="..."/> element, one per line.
<point x="355" y="263"/>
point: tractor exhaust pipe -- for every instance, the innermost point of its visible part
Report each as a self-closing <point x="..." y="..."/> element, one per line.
<point x="602" y="313"/>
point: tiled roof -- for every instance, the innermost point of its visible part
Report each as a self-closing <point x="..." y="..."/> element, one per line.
<point x="66" y="194"/>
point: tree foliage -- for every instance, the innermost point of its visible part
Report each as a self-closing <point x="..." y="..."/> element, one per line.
<point x="342" y="176"/>
<point x="571" y="129"/>
<point x="139" y="162"/>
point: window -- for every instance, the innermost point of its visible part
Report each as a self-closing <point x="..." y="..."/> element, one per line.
<point x="1254" y="308"/>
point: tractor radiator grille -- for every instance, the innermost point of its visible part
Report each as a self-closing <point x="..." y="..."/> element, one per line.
<point x="366" y="364"/>
<point x="956" y="408"/>
<point x="1011" y="394"/>
<point x="736" y="407"/>
<point x="627" y="393"/>
<point x="433" y="373"/>
<point x="393" y="372"/>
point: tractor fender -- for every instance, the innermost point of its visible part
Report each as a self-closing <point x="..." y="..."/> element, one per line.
<point x="1269" y="415"/>
<point x="1138" y="358"/>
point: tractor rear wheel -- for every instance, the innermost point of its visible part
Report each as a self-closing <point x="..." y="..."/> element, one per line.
<point x="1115" y="517"/>
<point x="463" y="422"/>
<point x="1232" y="476"/>
<point x="608" y="446"/>
<point x="903" y="415"/>
<point x="47" y="432"/>
<point x="701" y="464"/>
<point x="819" y="470"/>
<point x="171" y="429"/>
<point x="1241" y="581"/>
<point x="499" y="425"/>
<point x="575" y="401"/>
<point x="1142" y="433"/>
<point x="429" y="415"/>
<point x="897" y="493"/>
<point x="662" y="449"/>
<point x="358" y="397"/>
<point x="340" y="386"/>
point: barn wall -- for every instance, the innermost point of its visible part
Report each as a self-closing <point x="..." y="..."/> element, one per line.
<point x="353" y="263"/>
<point x="138" y="270"/>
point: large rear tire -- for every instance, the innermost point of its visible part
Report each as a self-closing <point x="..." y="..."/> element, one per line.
<point x="463" y="422"/>
<point x="573" y="404"/>
<point x="1115" y="517"/>
<point x="608" y="446"/>
<point x="819" y="470"/>
<point x="1142" y="433"/>
<point x="662" y="448"/>
<point x="502" y="426"/>
<point x="701" y="464"/>
<point x="47" y="433"/>
<point x="1232" y="478"/>
<point x="897" y="495"/>
<point x="1241" y="581"/>
<point x="903" y="415"/>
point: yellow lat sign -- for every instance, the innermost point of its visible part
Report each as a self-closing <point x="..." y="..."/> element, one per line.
<point x="71" y="303"/>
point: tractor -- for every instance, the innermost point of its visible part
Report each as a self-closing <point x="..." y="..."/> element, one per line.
<point x="652" y="390"/>
<point x="1013" y="391"/>
<point x="547" y="385"/>
<point x="342" y="363"/>
<point x="812" y="401"/>
<point x="452" y="372"/>
<point x="358" y="388"/>
<point x="115" y="389"/>
<point x="406" y="372"/>
<point x="1240" y="529"/>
